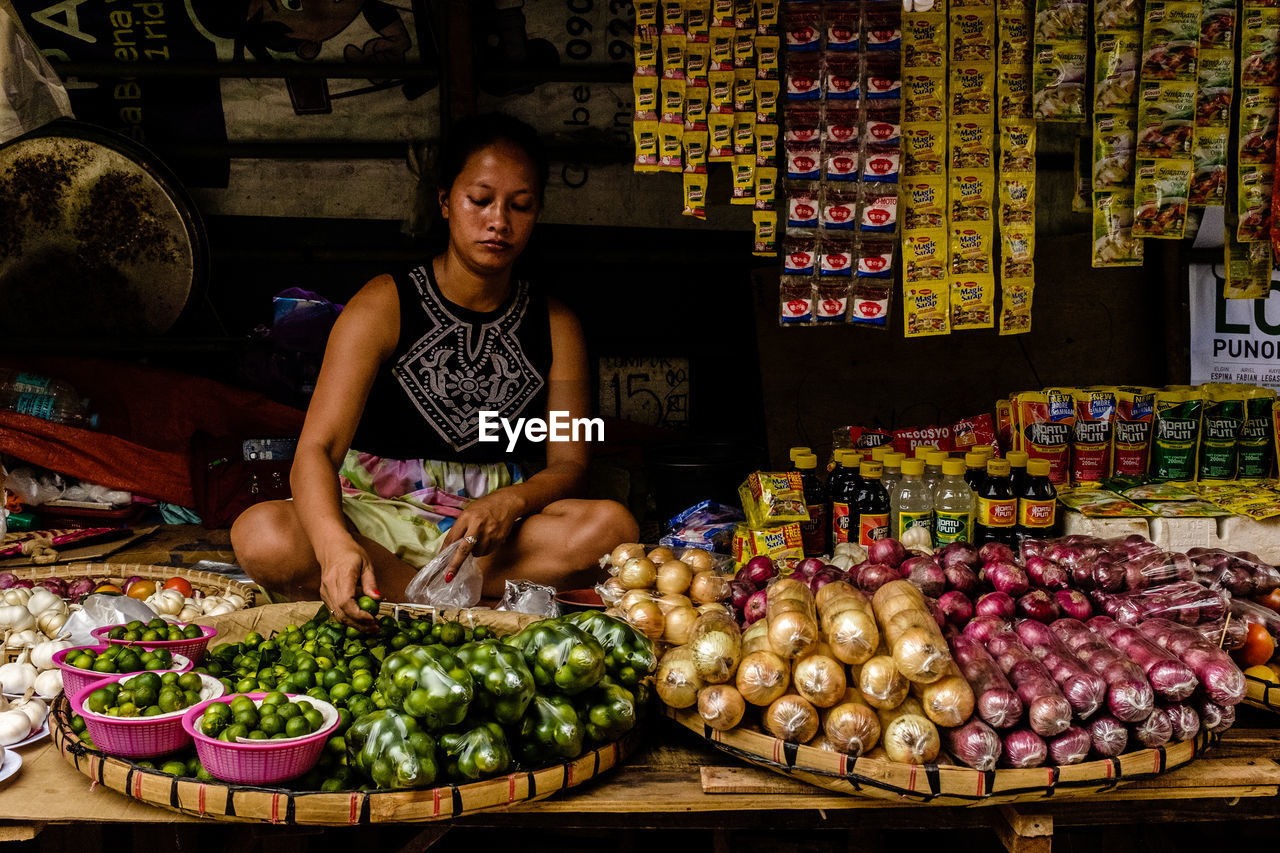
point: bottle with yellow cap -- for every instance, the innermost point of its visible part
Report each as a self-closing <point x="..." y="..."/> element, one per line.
<point x="892" y="471"/>
<point x="1037" y="503"/>
<point x="975" y="469"/>
<point x="813" y="533"/>
<point x="873" y="504"/>
<point x="996" y="517"/>
<point x="923" y="450"/>
<point x="913" y="504"/>
<point x="1017" y="469"/>
<point x="842" y="490"/>
<point x="933" y="467"/>
<point x="953" y="506"/>
<point x="878" y="453"/>
<point x="799" y="450"/>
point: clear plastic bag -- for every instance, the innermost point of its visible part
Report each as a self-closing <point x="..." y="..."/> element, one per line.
<point x="429" y="586"/>
<point x="99" y="610"/>
<point x="30" y="92"/>
<point x="1240" y="573"/>
<point x="1185" y="602"/>
<point x="529" y="597"/>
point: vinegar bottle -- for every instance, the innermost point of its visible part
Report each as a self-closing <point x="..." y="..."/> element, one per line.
<point x="914" y="504"/>
<point x="933" y="467"/>
<point x="892" y="472"/>
<point x="953" y="506"/>
<point x="997" y="511"/>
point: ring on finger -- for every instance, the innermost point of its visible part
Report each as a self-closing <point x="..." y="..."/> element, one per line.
<point x="469" y="539"/>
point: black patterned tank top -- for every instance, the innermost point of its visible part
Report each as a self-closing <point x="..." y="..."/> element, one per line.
<point x="449" y="364"/>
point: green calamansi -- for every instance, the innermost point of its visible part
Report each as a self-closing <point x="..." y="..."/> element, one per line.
<point x="629" y="655"/>
<point x="391" y="751"/>
<point x="477" y="753"/>
<point x="550" y="732"/>
<point x="428" y="682"/>
<point x="563" y="658"/>
<point x="607" y="711"/>
<point x="503" y="684"/>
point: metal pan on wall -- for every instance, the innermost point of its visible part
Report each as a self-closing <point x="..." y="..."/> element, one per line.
<point x="97" y="237"/>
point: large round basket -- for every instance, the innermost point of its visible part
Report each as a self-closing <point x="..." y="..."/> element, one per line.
<point x="283" y="805"/>
<point x="935" y="784"/>
<point x="208" y="583"/>
<point x="1262" y="694"/>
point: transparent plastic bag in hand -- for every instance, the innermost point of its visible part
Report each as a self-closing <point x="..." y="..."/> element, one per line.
<point x="429" y="586"/>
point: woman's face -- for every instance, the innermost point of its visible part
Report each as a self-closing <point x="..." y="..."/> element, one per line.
<point x="491" y="207"/>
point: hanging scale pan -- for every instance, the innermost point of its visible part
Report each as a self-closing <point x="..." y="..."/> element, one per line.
<point x="97" y="237"/>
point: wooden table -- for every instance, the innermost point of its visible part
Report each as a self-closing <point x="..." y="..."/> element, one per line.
<point x="676" y="781"/>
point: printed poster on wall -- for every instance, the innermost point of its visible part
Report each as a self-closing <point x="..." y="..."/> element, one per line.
<point x="1232" y="340"/>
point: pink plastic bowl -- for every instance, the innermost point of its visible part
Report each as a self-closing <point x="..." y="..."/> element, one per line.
<point x="261" y="762"/>
<point x="193" y="649"/>
<point x="138" y="737"/>
<point x="74" y="679"/>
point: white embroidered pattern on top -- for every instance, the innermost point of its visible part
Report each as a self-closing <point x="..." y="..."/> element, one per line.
<point x="456" y="369"/>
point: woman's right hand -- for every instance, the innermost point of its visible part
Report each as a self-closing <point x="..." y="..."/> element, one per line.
<point x="345" y="571"/>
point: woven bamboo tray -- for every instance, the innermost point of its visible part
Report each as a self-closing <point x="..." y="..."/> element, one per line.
<point x="935" y="784"/>
<point x="1262" y="694"/>
<point x="246" y="803"/>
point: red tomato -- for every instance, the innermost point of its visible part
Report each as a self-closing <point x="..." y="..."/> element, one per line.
<point x="1258" y="646"/>
<point x="180" y="584"/>
<point x="1271" y="599"/>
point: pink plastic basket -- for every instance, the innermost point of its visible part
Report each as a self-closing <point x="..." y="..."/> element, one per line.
<point x="74" y="679"/>
<point x="138" y="737"/>
<point x="262" y="762"/>
<point x="193" y="649"/>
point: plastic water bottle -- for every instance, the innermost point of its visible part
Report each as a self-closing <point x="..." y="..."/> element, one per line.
<point x="14" y="381"/>
<point x="43" y="397"/>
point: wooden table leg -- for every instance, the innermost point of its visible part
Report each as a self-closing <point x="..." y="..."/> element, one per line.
<point x="1023" y="833"/>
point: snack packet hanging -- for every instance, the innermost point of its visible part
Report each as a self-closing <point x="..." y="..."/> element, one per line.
<point x="925" y="92"/>
<point x="839" y="208"/>
<point x="1175" y="434"/>
<point x="832" y="302"/>
<point x="1209" y="165"/>
<point x="799" y="254"/>
<point x="973" y="302"/>
<point x="835" y="256"/>
<point x="1257" y="441"/>
<point x="1161" y="191"/>
<point x="1116" y="71"/>
<point x="1253" y="202"/>
<point x="1224" y="418"/>
<point x="1091" y="435"/>
<point x="1045" y="424"/>
<point x="925" y="252"/>
<point x="924" y="202"/>
<point x="925" y="149"/>
<point x="1113" y="150"/>
<point x="924" y="37"/>
<point x="1017" y="251"/>
<point x="773" y="497"/>
<point x="765" y="238"/>
<point x="972" y="144"/>
<point x="1059" y="77"/>
<point x="971" y="248"/>
<point x="803" y="205"/>
<point x="870" y="303"/>
<point x="1018" y="147"/>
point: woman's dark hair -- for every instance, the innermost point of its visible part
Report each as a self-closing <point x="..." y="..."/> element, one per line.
<point x="479" y="132"/>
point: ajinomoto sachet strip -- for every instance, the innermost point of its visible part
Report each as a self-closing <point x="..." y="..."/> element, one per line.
<point x="1015" y="306"/>
<point x="925" y="309"/>
<point x="1257" y="443"/>
<point x="973" y="302"/>
<point x="1224" y="418"/>
<point x="1091" y="435"/>
<point x="1045" y="423"/>
<point x="1176" y="434"/>
<point x="1113" y="242"/>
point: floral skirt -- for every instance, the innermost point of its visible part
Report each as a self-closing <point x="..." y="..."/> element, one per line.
<point x="407" y="505"/>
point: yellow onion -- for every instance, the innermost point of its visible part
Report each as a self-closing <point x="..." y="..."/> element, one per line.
<point x="908" y="735"/>
<point x="792" y="633"/>
<point x="721" y="706"/>
<point x="881" y="684"/>
<point x="852" y="726"/>
<point x="646" y="617"/>
<point x="756" y="637"/>
<point x="708" y="587"/>
<point x="661" y="554"/>
<point x="674" y="577"/>
<point x="819" y="679"/>
<point x="611" y="591"/>
<point x="671" y="602"/>
<point x="698" y="559"/>
<point x="677" y="680"/>
<point x="949" y="700"/>
<point x="921" y="655"/>
<point x="679" y="625"/>
<point x="713" y="607"/>
<point x="634" y="597"/>
<point x="638" y="574"/>
<point x="625" y="553"/>
<point x="762" y="677"/>
<point x="791" y="718"/>
<point x="852" y="634"/>
<point x="716" y="645"/>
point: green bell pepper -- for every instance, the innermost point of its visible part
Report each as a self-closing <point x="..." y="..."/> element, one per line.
<point x="629" y="655"/>
<point x="549" y="733"/>
<point x="607" y="711"/>
<point x="391" y="751"/>
<point x="428" y="682"/>
<point x="563" y="658"/>
<point x="478" y="753"/>
<point x="503" y="684"/>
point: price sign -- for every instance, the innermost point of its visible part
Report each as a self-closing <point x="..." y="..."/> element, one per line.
<point x="650" y="391"/>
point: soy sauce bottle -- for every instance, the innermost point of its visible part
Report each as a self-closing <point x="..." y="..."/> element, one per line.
<point x="975" y="469"/>
<point x="842" y="487"/>
<point x="997" y="511"/>
<point x="873" y="504"/>
<point x="1037" y="503"/>
<point x="1017" y="469"/>
<point x="813" y="533"/>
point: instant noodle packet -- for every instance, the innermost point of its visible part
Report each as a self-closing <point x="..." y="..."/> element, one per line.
<point x="1091" y="435"/>
<point x="1045" y="423"/>
<point x="1176" y="434"/>
<point x="1224" y="417"/>
<point x="783" y="544"/>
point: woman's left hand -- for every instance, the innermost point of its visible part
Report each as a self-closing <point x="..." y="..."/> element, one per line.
<point x="483" y="526"/>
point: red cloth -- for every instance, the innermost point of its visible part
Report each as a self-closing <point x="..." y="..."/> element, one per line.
<point x="147" y="417"/>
